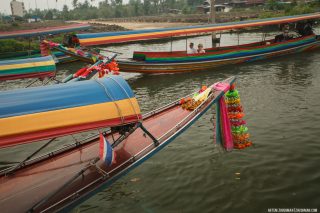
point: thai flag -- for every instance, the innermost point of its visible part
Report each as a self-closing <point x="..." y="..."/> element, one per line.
<point x="106" y="152"/>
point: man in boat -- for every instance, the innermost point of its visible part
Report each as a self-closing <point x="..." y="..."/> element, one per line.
<point x="200" y="49"/>
<point x="304" y="29"/>
<point x="75" y="41"/>
<point x="191" y="49"/>
<point x="71" y="41"/>
<point x="284" y="36"/>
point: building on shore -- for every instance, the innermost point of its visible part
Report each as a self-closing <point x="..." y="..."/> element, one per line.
<point x="227" y="5"/>
<point x="17" y="8"/>
<point x="205" y="7"/>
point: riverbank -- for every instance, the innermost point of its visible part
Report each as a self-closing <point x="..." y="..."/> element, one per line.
<point x="130" y="25"/>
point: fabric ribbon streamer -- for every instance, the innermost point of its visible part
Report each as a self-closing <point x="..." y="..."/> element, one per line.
<point x="223" y="127"/>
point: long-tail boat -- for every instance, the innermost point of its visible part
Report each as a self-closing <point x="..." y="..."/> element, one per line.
<point x="77" y="53"/>
<point x="60" y="57"/>
<point x="180" y="61"/>
<point x="43" y="31"/>
<point x="44" y="68"/>
<point x="28" y="34"/>
<point x="27" y="68"/>
<point x="155" y="62"/>
<point x="61" y="179"/>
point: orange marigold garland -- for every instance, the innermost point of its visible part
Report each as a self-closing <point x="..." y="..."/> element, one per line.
<point x="240" y="133"/>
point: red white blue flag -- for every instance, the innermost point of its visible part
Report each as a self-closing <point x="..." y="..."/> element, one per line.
<point x="106" y="152"/>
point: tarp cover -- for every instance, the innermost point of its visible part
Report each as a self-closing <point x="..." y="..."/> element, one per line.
<point x="27" y="68"/>
<point x="125" y="36"/>
<point x="44" y="112"/>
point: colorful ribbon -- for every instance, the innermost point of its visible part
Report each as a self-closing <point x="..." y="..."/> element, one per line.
<point x="223" y="130"/>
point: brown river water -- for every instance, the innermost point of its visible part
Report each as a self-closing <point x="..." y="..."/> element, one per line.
<point x="281" y="98"/>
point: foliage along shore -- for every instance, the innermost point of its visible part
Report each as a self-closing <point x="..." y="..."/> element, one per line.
<point x="17" y="45"/>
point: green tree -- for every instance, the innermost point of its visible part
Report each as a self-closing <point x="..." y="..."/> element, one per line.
<point x="75" y="3"/>
<point x="65" y="13"/>
<point x="49" y="15"/>
<point x="146" y="7"/>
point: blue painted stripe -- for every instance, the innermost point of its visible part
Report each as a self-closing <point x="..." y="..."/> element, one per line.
<point x="27" y="60"/>
<point x="108" y="34"/>
<point x="62" y="96"/>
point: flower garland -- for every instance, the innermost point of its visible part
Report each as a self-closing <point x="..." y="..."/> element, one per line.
<point x="240" y="133"/>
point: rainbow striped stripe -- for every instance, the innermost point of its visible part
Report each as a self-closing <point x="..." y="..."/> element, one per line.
<point x="125" y="36"/>
<point x="27" y="68"/>
<point x="43" y="112"/>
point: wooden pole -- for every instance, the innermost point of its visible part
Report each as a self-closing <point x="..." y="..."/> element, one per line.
<point x="29" y="51"/>
<point x="213" y="21"/>
<point x="186" y="43"/>
<point x="238" y="38"/>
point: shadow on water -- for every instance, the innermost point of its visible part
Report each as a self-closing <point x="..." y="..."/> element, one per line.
<point x="297" y="70"/>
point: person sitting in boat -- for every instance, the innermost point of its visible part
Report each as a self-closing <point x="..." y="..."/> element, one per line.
<point x="65" y="41"/>
<point x="304" y="29"/>
<point x="200" y="49"/>
<point x="75" y="41"/>
<point x="191" y="49"/>
<point x="284" y="36"/>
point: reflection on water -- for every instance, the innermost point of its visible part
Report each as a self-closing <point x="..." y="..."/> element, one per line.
<point x="281" y="98"/>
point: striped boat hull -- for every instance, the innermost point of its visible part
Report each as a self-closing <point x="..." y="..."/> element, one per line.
<point x="203" y="63"/>
<point x="27" y="68"/>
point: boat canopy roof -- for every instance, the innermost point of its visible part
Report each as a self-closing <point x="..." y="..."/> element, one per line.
<point x="27" y="68"/>
<point x="91" y="39"/>
<point x="43" y="31"/>
<point x="38" y="113"/>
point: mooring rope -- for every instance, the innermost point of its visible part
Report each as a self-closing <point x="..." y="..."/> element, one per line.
<point x="110" y="96"/>
<point x="134" y="109"/>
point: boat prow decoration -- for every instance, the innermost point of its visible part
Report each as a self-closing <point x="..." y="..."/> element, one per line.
<point x="38" y="113"/>
<point x="98" y="70"/>
<point x="27" y="68"/>
<point x="76" y="52"/>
